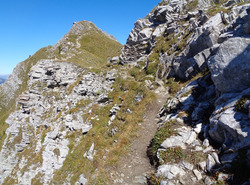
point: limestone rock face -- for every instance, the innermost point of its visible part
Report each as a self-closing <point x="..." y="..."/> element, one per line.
<point x="228" y="126"/>
<point x="230" y="67"/>
<point x="51" y="104"/>
<point x="11" y="85"/>
<point x="202" y="36"/>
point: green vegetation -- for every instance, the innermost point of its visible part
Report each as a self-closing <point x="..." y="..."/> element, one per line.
<point x="124" y="92"/>
<point x="154" y="180"/>
<point x="219" y="183"/>
<point x="152" y="68"/>
<point x="3" y="126"/>
<point x="56" y="151"/>
<point x="173" y="155"/>
<point x="95" y="48"/>
<point x="191" y="5"/>
<point x="193" y="157"/>
<point x="37" y="179"/>
<point x="165" y="131"/>
<point x="217" y="8"/>
<point x="173" y="85"/>
<point x="239" y="105"/>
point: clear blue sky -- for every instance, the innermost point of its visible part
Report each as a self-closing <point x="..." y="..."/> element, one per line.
<point x="28" y="25"/>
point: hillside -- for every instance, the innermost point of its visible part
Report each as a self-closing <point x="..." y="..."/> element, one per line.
<point x="75" y="43"/>
<point x="84" y="111"/>
<point x="200" y="51"/>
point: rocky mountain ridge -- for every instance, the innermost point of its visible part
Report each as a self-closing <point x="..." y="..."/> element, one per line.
<point x="175" y="42"/>
<point x="70" y="48"/>
<point x="72" y="123"/>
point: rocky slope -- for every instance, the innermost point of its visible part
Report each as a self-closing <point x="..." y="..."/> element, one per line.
<point x="203" y="134"/>
<point x="76" y="47"/>
<point x="75" y="117"/>
<point x="54" y="99"/>
<point x="36" y="139"/>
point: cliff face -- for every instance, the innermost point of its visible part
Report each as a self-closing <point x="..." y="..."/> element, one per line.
<point x="75" y="116"/>
<point x="206" y="45"/>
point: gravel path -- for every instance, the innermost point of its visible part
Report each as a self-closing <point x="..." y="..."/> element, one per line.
<point x="133" y="168"/>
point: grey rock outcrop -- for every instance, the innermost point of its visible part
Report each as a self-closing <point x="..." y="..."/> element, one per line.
<point x="229" y="127"/>
<point x="82" y="180"/>
<point x="202" y="41"/>
<point x="12" y="84"/>
<point x="230" y="67"/>
<point x="51" y="104"/>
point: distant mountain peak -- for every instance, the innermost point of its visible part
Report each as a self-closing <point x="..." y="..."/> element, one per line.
<point x="79" y="29"/>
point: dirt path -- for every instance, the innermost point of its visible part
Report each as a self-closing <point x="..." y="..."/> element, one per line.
<point x="133" y="168"/>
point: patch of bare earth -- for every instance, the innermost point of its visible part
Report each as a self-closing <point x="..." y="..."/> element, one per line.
<point x="134" y="167"/>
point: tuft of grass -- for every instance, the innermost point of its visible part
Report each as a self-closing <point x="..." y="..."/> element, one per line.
<point x="174" y="86"/>
<point x="192" y="5"/>
<point x="164" y="132"/>
<point x="171" y="155"/>
<point x="152" y="68"/>
<point x="56" y="151"/>
<point x="37" y="179"/>
<point x="137" y="73"/>
<point x="154" y="180"/>
<point x="239" y="105"/>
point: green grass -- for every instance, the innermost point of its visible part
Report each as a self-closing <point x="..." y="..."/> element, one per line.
<point x="124" y="91"/>
<point x="171" y="155"/>
<point x="217" y="7"/>
<point x="213" y="10"/>
<point x="164" y="132"/>
<point x="94" y="50"/>
<point x="239" y="105"/>
<point x="154" y="180"/>
<point x="191" y="5"/>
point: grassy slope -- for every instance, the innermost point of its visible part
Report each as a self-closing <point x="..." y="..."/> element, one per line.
<point x="95" y="50"/>
<point x="95" y="47"/>
<point x="100" y="134"/>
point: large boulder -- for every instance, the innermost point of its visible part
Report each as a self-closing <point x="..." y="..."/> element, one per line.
<point x="229" y="126"/>
<point x="145" y="34"/>
<point x="230" y="67"/>
<point x="161" y="13"/>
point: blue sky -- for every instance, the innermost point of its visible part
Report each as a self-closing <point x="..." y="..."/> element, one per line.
<point x="28" y="25"/>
